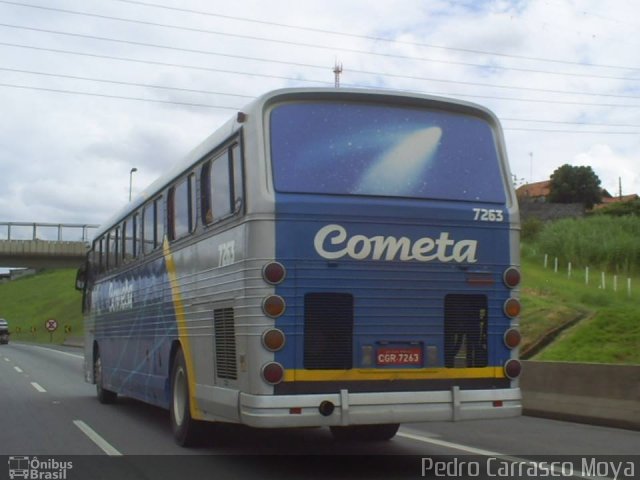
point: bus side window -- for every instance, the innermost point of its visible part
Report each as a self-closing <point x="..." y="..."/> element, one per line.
<point x="148" y="227"/>
<point x="158" y="223"/>
<point x="205" y="193"/>
<point x="182" y="213"/>
<point x="105" y="253"/>
<point x="140" y="233"/>
<point x="100" y="263"/>
<point x="110" y="250"/>
<point x="128" y="231"/>
<point x="238" y="191"/>
<point x="129" y="238"/>
<point x="116" y="247"/>
<point x="221" y="187"/>
<point x="135" y="247"/>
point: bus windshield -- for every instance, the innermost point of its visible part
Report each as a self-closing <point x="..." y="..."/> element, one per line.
<point x="384" y="150"/>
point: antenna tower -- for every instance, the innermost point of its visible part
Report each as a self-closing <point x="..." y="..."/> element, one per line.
<point x="337" y="70"/>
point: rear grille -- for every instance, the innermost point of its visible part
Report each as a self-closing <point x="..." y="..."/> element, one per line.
<point x="328" y="331"/>
<point x="465" y="331"/>
<point x="225" y="341"/>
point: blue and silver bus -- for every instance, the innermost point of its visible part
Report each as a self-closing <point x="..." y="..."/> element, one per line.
<point x="328" y="257"/>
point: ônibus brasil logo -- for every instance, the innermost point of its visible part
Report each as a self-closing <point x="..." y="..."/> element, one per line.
<point x="333" y="242"/>
<point x="36" y="469"/>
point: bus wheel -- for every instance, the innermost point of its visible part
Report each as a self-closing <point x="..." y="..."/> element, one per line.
<point x="365" y="433"/>
<point x="104" y="396"/>
<point x="186" y="430"/>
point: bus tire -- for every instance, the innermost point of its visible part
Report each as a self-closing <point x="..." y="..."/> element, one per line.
<point x="186" y="430"/>
<point x="365" y="433"/>
<point x="104" y="396"/>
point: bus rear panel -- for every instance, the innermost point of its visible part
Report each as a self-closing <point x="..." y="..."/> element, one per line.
<point x="396" y="226"/>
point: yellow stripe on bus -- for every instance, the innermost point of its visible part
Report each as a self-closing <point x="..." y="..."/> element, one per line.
<point x="183" y="333"/>
<point x="392" y="374"/>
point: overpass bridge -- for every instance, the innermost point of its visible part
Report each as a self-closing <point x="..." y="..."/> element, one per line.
<point x="44" y="245"/>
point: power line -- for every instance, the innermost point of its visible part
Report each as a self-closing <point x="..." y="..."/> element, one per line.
<point x="223" y="107"/>
<point x="119" y="97"/>
<point x="542" y="130"/>
<point x="163" y="64"/>
<point x="369" y="37"/>
<point x="209" y="92"/>
<point x="306" y="65"/>
<point x="155" y="45"/>
<point x="120" y="82"/>
<point x="561" y="122"/>
<point x="300" y="79"/>
<point x="299" y="44"/>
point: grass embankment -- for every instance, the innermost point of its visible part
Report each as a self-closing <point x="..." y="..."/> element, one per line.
<point x="608" y="326"/>
<point x="27" y="303"/>
<point x="608" y="330"/>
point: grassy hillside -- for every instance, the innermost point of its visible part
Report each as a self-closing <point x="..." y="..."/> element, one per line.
<point x="29" y="302"/>
<point x="606" y="324"/>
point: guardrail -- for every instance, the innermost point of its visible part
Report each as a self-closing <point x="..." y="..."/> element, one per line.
<point x="45" y="231"/>
<point x="585" y="392"/>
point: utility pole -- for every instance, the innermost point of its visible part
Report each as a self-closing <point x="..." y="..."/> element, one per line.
<point x="620" y="187"/>
<point x="337" y="70"/>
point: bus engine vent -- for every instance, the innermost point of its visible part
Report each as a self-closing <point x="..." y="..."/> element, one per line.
<point x="465" y="331"/>
<point x="328" y="331"/>
<point x="225" y="340"/>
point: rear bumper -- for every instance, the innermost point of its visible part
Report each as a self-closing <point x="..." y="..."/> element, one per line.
<point x="375" y="408"/>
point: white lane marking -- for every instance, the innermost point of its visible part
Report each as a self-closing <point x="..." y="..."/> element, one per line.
<point x="6" y="359"/>
<point x="444" y="443"/>
<point x="97" y="439"/>
<point x="17" y="369"/>
<point x="58" y="351"/>
<point x="488" y="453"/>
<point x="38" y="387"/>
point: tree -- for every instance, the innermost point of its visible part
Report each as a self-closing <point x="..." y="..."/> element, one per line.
<point x="571" y="184"/>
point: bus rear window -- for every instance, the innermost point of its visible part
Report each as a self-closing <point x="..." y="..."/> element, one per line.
<point x="384" y="150"/>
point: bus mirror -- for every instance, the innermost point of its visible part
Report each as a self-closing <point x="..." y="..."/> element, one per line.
<point x="80" y="279"/>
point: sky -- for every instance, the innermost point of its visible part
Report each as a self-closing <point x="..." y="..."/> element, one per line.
<point x="90" y="89"/>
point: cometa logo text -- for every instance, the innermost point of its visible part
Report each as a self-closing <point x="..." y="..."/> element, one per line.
<point x="333" y="242"/>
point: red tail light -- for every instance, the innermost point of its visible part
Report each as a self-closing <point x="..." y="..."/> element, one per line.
<point x="512" y="338"/>
<point x="512" y="307"/>
<point x="273" y="339"/>
<point x="274" y="273"/>
<point x="272" y="373"/>
<point x="511" y="277"/>
<point x="273" y="306"/>
<point x="512" y="369"/>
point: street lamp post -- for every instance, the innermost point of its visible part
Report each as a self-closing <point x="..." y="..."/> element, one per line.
<point x="134" y="169"/>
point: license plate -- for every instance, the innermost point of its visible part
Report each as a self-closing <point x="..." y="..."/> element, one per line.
<point x="399" y="356"/>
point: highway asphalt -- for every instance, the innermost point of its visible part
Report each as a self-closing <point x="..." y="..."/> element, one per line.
<point x="48" y="411"/>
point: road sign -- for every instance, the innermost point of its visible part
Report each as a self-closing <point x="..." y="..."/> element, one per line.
<point x="51" y="325"/>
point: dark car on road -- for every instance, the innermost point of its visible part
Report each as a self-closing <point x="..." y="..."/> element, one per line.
<point x="4" y="332"/>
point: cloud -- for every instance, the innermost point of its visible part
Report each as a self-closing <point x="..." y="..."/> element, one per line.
<point x="612" y="167"/>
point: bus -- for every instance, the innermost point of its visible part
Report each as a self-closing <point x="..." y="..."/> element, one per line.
<point x="337" y="258"/>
